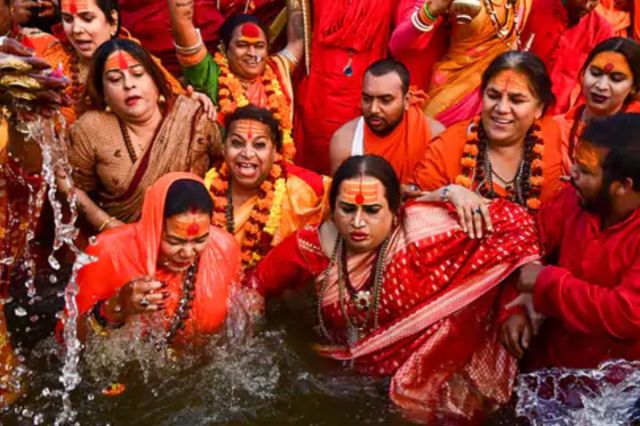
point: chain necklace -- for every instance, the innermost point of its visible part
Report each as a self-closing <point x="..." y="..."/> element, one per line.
<point x="228" y="211"/>
<point x="362" y="298"/>
<point x="127" y="141"/>
<point x="185" y="304"/>
<point x="516" y="181"/>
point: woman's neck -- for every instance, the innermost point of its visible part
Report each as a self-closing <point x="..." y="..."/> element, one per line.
<point x="240" y="195"/>
<point x="588" y="113"/>
<point x="145" y="126"/>
<point x="511" y="152"/>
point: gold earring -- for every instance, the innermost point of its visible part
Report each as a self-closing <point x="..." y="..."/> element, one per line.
<point x="162" y="99"/>
<point x="107" y="109"/>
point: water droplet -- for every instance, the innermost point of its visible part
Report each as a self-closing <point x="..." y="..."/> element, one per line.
<point x="54" y="262"/>
<point x="38" y="419"/>
<point x="59" y="314"/>
<point x="46" y="392"/>
<point x="33" y="318"/>
<point x="20" y="311"/>
<point x="53" y="278"/>
<point x="26" y="413"/>
<point x="93" y="240"/>
<point x="90" y="397"/>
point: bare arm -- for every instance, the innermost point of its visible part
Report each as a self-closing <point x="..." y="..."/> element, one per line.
<point x="184" y="32"/>
<point x="340" y="147"/>
<point x="295" y="29"/>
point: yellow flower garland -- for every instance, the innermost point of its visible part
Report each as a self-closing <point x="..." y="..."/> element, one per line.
<point x="232" y="95"/>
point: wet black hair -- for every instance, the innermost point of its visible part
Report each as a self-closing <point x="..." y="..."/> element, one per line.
<point x="528" y="64"/>
<point x="186" y="195"/>
<point x="387" y="66"/>
<point x="232" y="22"/>
<point x="367" y="165"/>
<point x="620" y="135"/>
<point x="263" y="115"/>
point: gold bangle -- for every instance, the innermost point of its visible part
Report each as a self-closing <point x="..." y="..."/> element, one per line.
<point x="105" y="223"/>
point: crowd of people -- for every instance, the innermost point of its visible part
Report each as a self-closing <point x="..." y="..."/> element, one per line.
<point x="457" y="180"/>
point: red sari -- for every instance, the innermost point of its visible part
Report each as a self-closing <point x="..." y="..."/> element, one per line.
<point x="436" y="336"/>
<point x="131" y="251"/>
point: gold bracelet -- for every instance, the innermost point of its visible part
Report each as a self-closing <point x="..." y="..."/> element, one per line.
<point x="105" y="223"/>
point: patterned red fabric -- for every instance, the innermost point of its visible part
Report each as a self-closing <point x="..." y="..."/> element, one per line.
<point x="436" y="334"/>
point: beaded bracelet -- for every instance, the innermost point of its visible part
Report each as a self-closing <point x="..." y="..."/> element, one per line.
<point x="99" y="316"/>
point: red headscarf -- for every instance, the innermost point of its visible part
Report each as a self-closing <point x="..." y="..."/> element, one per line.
<point x="131" y="251"/>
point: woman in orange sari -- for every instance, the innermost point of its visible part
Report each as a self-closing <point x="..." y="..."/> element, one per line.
<point x="464" y="50"/>
<point x="259" y="196"/>
<point x="404" y="293"/>
<point x="170" y="265"/>
<point x="510" y="151"/>
<point x="610" y="83"/>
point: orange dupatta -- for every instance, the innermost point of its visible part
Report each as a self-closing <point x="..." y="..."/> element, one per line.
<point x="131" y="251"/>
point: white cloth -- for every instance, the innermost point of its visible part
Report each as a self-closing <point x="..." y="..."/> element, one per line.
<point x="357" y="146"/>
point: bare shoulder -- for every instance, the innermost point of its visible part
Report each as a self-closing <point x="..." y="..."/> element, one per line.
<point x="341" y="142"/>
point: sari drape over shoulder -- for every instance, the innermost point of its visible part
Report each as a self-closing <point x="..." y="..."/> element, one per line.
<point x="131" y="251"/>
<point x="454" y="88"/>
<point x="436" y="336"/>
<point x="186" y="141"/>
<point x="441" y="163"/>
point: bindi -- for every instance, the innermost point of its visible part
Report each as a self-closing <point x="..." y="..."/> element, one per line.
<point x="250" y="33"/>
<point x="189" y="225"/>
<point x="612" y="62"/>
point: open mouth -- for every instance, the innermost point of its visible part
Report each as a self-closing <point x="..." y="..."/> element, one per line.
<point x="247" y="169"/>
<point x="501" y="121"/>
<point x="132" y="100"/>
<point x="83" y="44"/>
<point x="598" y="99"/>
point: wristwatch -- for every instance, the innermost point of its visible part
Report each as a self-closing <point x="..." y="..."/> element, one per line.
<point x="444" y="193"/>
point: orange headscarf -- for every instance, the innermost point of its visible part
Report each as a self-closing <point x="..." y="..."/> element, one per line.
<point x="131" y="251"/>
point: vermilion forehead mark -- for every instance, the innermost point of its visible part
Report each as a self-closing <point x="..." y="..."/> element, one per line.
<point x="74" y="6"/>
<point x="510" y="79"/>
<point x="366" y="191"/>
<point x="193" y="229"/>
<point x="120" y="60"/>
<point x="189" y="225"/>
<point x="608" y="68"/>
<point x="250" y="32"/>
<point x="610" y="62"/>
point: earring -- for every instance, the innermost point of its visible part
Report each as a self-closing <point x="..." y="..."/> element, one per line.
<point x="107" y="109"/>
<point x="162" y="99"/>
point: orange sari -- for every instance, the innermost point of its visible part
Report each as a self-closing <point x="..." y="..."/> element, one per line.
<point x="441" y="163"/>
<point x="131" y="251"/>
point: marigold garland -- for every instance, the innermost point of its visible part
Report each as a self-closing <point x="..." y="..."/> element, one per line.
<point x="469" y="163"/>
<point x="264" y="221"/>
<point x="231" y="95"/>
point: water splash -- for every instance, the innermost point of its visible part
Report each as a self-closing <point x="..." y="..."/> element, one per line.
<point x="608" y="395"/>
<point x="52" y="141"/>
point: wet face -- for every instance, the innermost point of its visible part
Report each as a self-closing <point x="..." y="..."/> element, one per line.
<point x="184" y="238"/>
<point x="249" y="152"/>
<point x="509" y="108"/>
<point x="607" y="82"/>
<point x="579" y="8"/>
<point x="128" y="88"/>
<point x="86" y="26"/>
<point x="383" y="104"/>
<point x="248" y="51"/>
<point x="587" y="177"/>
<point x="362" y="215"/>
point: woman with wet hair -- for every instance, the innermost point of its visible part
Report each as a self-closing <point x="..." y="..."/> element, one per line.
<point x="403" y="292"/>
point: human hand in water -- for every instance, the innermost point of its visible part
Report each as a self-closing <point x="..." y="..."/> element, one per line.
<point x="142" y="295"/>
<point x="205" y="101"/>
<point x="472" y="209"/>
<point x="515" y="334"/>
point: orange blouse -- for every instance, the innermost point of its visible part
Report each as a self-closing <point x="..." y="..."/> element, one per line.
<point x="441" y="163"/>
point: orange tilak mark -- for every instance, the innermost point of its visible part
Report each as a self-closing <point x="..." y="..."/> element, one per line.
<point x="250" y="133"/>
<point x="193" y="229"/>
<point x="610" y="62"/>
<point x="72" y="7"/>
<point x="189" y="225"/>
<point x="250" y="33"/>
<point x="509" y="79"/>
<point x="120" y="60"/>
<point x="366" y="191"/>
<point x="587" y="156"/>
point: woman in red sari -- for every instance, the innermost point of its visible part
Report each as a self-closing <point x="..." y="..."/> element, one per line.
<point x="171" y="262"/>
<point x="403" y="292"/>
<point x="610" y="83"/>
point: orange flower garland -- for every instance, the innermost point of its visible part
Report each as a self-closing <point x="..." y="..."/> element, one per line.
<point x="533" y="167"/>
<point x="231" y="95"/>
<point x="257" y="241"/>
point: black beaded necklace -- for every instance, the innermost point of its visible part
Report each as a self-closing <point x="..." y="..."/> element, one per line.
<point x="186" y="301"/>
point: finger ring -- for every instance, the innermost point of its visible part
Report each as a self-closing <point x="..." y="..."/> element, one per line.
<point x="478" y="210"/>
<point x="144" y="302"/>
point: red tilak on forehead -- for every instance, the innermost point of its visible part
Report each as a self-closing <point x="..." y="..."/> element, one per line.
<point x="73" y="7"/>
<point x="608" y="68"/>
<point x="193" y="229"/>
<point x="359" y="197"/>
<point x="122" y="61"/>
<point x="250" y="30"/>
<point x="250" y="133"/>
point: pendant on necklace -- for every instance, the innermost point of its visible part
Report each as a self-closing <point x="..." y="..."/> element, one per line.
<point x="362" y="300"/>
<point x="348" y="69"/>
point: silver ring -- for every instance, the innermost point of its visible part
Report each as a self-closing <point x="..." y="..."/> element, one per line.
<point x="144" y="302"/>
